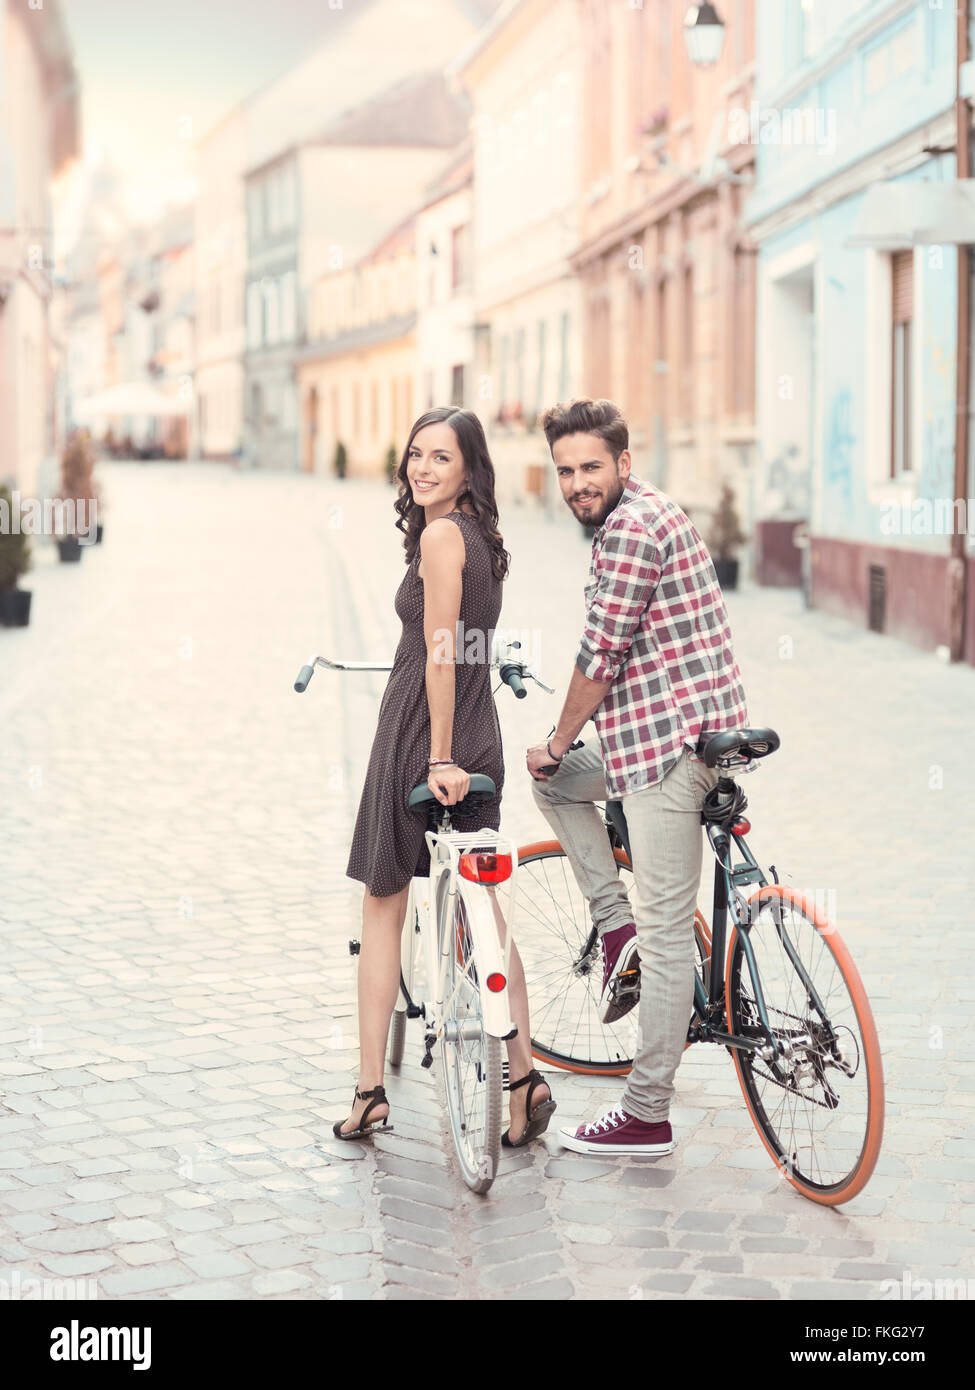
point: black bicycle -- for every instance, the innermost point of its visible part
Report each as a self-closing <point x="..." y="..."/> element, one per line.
<point x="779" y="991"/>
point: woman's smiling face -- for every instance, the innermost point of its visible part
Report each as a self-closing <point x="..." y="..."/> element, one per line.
<point x="435" y="468"/>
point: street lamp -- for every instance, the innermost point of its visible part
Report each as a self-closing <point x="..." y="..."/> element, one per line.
<point x="703" y="34"/>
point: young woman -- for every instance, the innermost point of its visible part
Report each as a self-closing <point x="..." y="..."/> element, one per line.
<point x="437" y="722"/>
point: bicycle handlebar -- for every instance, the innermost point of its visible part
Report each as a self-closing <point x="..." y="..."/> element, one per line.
<point x="513" y="673"/>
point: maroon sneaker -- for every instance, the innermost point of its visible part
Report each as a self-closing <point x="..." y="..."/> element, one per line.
<point x="621" y="973"/>
<point x="619" y="1133"/>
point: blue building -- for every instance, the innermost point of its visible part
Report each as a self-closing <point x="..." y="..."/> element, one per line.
<point x="858" y="216"/>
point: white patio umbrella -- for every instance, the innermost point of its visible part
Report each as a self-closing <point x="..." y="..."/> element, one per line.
<point x="130" y="398"/>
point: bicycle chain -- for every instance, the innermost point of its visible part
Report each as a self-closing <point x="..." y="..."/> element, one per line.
<point x="767" y="1076"/>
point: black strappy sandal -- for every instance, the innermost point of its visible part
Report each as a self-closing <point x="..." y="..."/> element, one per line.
<point x="375" y="1097"/>
<point x="537" y="1119"/>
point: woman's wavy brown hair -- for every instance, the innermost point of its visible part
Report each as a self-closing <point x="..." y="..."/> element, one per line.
<point x="479" y="491"/>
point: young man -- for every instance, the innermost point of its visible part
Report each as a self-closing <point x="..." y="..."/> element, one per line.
<point x="656" y="671"/>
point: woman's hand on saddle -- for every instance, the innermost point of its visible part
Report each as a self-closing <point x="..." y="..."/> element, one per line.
<point x="449" y="784"/>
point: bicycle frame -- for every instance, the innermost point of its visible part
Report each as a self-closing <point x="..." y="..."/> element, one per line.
<point x="729" y="879"/>
<point x="491" y="957"/>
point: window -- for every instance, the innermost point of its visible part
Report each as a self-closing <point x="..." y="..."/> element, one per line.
<point x="687" y="348"/>
<point x="540" y="378"/>
<point x="255" y="212"/>
<point x="272" y="311"/>
<point x="288" y="307"/>
<point x="564" y="358"/>
<point x="288" y="176"/>
<point x="356" y="421"/>
<point x="255" y="319"/>
<point x="457" y="385"/>
<point x="459" y="267"/>
<point x="375" y="410"/>
<point x="902" y="316"/>
<point x="520" y="366"/>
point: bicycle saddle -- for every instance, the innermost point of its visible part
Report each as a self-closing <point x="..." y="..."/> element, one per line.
<point x="481" y="789"/>
<point x="737" y="746"/>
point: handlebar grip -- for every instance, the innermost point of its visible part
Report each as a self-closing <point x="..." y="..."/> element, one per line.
<point x="511" y="675"/>
<point x="304" y="676"/>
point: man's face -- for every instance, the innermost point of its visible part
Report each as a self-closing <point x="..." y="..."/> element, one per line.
<point x="591" y="482"/>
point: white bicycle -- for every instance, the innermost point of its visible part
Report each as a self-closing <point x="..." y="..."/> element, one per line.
<point x="456" y="927"/>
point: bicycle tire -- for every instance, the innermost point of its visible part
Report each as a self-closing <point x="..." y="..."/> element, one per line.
<point x="794" y="1153"/>
<point x="397" y="1037"/>
<point x="471" y="1067"/>
<point x="569" y="940"/>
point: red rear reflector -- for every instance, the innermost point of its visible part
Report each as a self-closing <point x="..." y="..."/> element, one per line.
<point x="741" y="827"/>
<point x="485" y="868"/>
<point x="496" y="983"/>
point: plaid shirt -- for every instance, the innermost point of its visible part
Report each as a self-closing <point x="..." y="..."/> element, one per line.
<point x="658" y="629"/>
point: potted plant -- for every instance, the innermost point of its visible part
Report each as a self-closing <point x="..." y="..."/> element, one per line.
<point x="726" y="537"/>
<point x="14" y="561"/>
<point x="392" y="463"/>
<point x="341" y="460"/>
<point x="78" y="488"/>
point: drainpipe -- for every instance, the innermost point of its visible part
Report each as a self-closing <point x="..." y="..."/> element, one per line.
<point x="957" y="562"/>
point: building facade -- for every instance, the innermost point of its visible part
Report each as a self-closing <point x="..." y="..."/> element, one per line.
<point x="857" y="309"/>
<point x="220" y="262"/>
<point x="38" y="139"/>
<point x="667" y="269"/>
<point x="357" y="374"/>
<point x="524" y="76"/>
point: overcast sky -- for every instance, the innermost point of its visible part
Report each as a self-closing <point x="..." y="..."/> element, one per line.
<point x="153" y="74"/>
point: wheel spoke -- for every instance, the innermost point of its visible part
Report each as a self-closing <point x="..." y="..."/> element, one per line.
<point x="819" y="1119"/>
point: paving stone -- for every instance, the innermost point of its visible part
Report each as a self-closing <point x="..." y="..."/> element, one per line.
<point x="147" y="1280"/>
<point x="217" y="1266"/>
<point x="520" y="1272"/>
<point x="414" y="1212"/>
<point x="734" y="1287"/>
<point x="704" y="1221"/>
<point x="518" y="1249"/>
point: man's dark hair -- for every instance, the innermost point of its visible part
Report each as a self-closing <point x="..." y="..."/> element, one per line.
<point x="585" y="416"/>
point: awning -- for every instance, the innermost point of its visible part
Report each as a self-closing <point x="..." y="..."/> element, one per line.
<point x="129" y="398"/>
<point x="916" y="212"/>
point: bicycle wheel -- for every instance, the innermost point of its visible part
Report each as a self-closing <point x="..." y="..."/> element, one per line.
<point x="559" y="948"/>
<point x="471" y="1058"/>
<point x="822" y="1117"/>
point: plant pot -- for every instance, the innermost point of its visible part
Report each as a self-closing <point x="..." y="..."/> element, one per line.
<point x="69" y="548"/>
<point x="15" y="607"/>
<point x="727" y="572"/>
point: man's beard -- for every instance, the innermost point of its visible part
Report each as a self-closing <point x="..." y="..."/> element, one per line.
<point x="595" y="516"/>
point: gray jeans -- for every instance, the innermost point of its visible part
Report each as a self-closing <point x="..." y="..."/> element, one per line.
<point x="664" y="822"/>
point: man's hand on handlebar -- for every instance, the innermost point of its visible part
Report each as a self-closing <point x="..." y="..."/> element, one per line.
<point x="539" y="760"/>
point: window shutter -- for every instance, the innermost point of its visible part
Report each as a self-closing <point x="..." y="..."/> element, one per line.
<point x="902" y="266"/>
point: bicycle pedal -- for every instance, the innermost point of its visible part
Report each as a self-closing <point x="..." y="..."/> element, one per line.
<point x="428" y="1041"/>
<point x="627" y="982"/>
<point x="354" y="947"/>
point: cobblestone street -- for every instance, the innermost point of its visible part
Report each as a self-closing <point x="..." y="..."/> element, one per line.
<point x="177" y="1001"/>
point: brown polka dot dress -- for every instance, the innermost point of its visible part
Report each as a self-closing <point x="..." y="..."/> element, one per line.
<point x="388" y="848"/>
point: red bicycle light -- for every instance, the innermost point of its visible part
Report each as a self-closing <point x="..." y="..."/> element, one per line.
<point x="741" y="827"/>
<point x="496" y="983"/>
<point x="485" y="868"/>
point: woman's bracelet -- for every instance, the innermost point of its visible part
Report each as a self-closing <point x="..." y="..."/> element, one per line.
<point x="441" y="762"/>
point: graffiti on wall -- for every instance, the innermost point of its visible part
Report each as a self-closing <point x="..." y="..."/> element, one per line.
<point x="840" y="440"/>
<point x="787" y="484"/>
